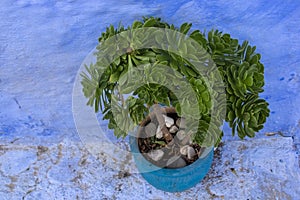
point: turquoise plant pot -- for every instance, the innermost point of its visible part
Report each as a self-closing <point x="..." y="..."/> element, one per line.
<point x="172" y="180"/>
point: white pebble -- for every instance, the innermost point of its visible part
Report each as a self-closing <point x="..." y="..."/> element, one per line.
<point x="159" y="133"/>
<point x="169" y="121"/>
<point x="173" y="129"/>
<point x="184" y="150"/>
<point x="180" y="135"/>
<point x="156" y="155"/>
<point x="150" y="129"/>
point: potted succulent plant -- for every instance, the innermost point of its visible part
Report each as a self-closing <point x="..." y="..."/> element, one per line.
<point x="171" y="89"/>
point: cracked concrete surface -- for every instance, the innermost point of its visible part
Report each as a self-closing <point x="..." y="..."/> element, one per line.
<point x="262" y="168"/>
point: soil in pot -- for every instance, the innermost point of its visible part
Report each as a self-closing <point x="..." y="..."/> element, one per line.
<point x="166" y="152"/>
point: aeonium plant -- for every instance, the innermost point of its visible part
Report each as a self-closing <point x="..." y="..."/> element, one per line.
<point x="205" y="78"/>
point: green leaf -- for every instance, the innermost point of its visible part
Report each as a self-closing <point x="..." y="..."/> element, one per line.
<point x="128" y="89"/>
<point x="150" y="22"/>
<point x="117" y="61"/>
<point x="246" y="117"/>
<point x="249" y="132"/>
<point x="190" y="71"/>
<point x="231" y="116"/>
<point x="249" y="81"/>
<point x="184" y="28"/>
<point x="241" y="131"/>
<point x="196" y="35"/>
<point x="205" y="96"/>
<point x="210" y="36"/>
<point x="137" y="24"/>
<point x="254" y="59"/>
<point x="114" y="77"/>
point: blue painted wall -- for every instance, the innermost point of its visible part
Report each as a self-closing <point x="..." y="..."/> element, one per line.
<point x="42" y="44"/>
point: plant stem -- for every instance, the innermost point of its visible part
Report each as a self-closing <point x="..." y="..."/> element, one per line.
<point x="158" y="113"/>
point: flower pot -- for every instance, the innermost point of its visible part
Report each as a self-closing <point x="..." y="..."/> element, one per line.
<point x="171" y="180"/>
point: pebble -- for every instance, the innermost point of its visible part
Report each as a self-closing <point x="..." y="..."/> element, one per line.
<point x="180" y="134"/>
<point x="170" y="144"/>
<point x="159" y="133"/>
<point x="188" y="151"/>
<point x="180" y="122"/>
<point x="191" y="153"/>
<point x="187" y="139"/>
<point x="169" y="121"/>
<point x="150" y="129"/>
<point x="184" y="150"/>
<point x="173" y="129"/>
<point x="176" y="162"/>
<point x="156" y="155"/>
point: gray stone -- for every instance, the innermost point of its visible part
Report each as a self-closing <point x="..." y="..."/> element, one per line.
<point x="184" y="150"/>
<point x="156" y="155"/>
<point x="170" y="144"/>
<point x="176" y="162"/>
<point x="173" y="129"/>
<point x="169" y="121"/>
<point x="187" y="138"/>
<point x="159" y="133"/>
<point x="188" y="151"/>
<point x="180" y="122"/>
<point x="150" y="129"/>
<point x="191" y="152"/>
<point x="180" y="134"/>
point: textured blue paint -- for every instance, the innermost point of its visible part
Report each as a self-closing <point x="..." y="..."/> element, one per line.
<point x="42" y="44"/>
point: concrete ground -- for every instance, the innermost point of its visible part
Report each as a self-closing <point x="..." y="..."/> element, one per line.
<point x="265" y="168"/>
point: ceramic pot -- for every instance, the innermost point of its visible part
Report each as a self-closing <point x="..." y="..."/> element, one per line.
<point x="172" y="180"/>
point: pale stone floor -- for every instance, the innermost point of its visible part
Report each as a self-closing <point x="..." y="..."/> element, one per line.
<point x="262" y="168"/>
